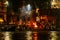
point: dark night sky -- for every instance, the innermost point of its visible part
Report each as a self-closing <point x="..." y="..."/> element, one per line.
<point x="18" y="3"/>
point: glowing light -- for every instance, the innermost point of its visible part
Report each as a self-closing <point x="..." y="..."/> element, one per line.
<point x="20" y="22"/>
<point x="37" y="10"/>
<point x="53" y="35"/>
<point x="35" y="37"/>
<point x="28" y="7"/>
<point x="28" y="23"/>
<point x="1" y="20"/>
<point x="35" y="25"/>
<point x="55" y="4"/>
<point x="37" y="19"/>
<point x="29" y="35"/>
<point x="25" y="10"/>
<point x="7" y="36"/>
<point x="6" y="3"/>
<point x="28" y="12"/>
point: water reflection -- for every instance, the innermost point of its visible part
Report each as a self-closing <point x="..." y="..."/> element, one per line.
<point x="35" y="36"/>
<point x="7" y="35"/>
<point x="30" y="35"/>
<point x="53" y="35"/>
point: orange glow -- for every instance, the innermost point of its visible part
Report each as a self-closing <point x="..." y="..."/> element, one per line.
<point x="1" y="20"/>
<point x="35" y="25"/>
<point x="44" y="17"/>
<point x="37" y="10"/>
<point x="35" y="36"/>
<point x="28" y="23"/>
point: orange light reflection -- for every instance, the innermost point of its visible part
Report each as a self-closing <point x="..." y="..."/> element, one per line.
<point x="35" y="37"/>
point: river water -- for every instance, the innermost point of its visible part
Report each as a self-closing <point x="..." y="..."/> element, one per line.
<point x="30" y="35"/>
